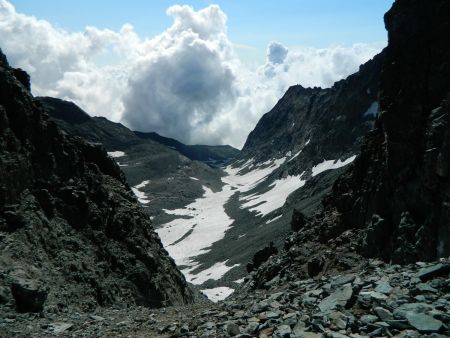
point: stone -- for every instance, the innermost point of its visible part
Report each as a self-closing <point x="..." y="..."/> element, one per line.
<point x="368" y="319"/>
<point x="29" y="296"/>
<point x="341" y="280"/>
<point x="404" y="309"/>
<point x="383" y="287"/>
<point x="59" y="327"/>
<point x="436" y="270"/>
<point x="315" y="266"/>
<point x="282" y="331"/>
<point x="338" y="298"/>
<point x="383" y="314"/>
<point x="233" y="329"/>
<point x="423" y="322"/>
<point x="374" y="295"/>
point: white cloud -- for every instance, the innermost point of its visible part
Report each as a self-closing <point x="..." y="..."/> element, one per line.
<point x="276" y="52"/>
<point x="185" y="83"/>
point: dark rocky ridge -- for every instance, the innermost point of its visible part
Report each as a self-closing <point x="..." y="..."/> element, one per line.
<point x="167" y="170"/>
<point x="333" y="119"/>
<point x="393" y="201"/>
<point x="398" y="192"/>
<point x="72" y="234"/>
<point x="214" y="156"/>
<point x="72" y="118"/>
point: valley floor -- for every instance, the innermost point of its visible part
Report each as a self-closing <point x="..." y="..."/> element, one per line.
<point x="374" y="299"/>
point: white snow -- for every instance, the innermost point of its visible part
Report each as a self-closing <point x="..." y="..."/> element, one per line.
<point x="373" y="109"/>
<point x="122" y="165"/>
<point x="296" y="154"/>
<point x="246" y="182"/>
<point x="331" y="164"/>
<point x="217" y="294"/>
<point x="193" y="178"/>
<point x="299" y="152"/>
<point x="239" y="281"/>
<point x="288" y="154"/>
<point x="115" y="154"/>
<point x="205" y="221"/>
<point x="214" y="272"/>
<point x="208" y="221"/>
<point x="274" y="198"/>
<point x="142" y="197"/>
<point x="274" y="219"/>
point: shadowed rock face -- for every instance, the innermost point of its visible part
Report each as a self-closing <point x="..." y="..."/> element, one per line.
<point x="71" y="231"/>
<point x="398" y="191"/>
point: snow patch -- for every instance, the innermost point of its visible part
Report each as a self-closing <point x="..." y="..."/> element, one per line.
<point x="274" y="219"/>
<point x="331" y="164"/>
<point x="214" y="272"/>
<point x="274" y="198"/>
<point x="239" y="281"/>
<point x="207" y="219"/>
<point x="217" y="294"/>
<point x="116" y="154"/>
<point x="247" y="181"/>
<point x="141" y="196"/>
<point x="373" y="109"/>
<point x="193" y="178"/>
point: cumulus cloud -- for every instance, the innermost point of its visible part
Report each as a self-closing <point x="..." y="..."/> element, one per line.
<point x="276" y="52"/>
<point x="185" y="83"/>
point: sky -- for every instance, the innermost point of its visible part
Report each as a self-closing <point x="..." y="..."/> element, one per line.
<point x="198" y="71"/>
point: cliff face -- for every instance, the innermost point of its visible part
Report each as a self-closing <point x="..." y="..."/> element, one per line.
<point x="331" y="121"/>
<point x="398" y="191"/>
<point x="71" y="231"/>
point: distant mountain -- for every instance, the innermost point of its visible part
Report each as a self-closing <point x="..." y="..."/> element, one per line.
<point x="290" y="161"/>
<point x="215" y="156"/>
<point x="72" y="234"/>
<point x="156" y="172"/>
<point x="74" y="117"/>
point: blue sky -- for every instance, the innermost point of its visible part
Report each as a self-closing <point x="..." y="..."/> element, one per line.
<point x="252" y="23"/>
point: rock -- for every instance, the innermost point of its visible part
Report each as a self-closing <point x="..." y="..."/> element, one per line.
<point x="282" y="331"/>
<point x="374" y="295"/>
<point x="233" y="329"/>
<point x="338" y="298"/>
<point x="368" y="319"/>
<point x="261" y="256"/>
<point x="59" y="327"/>
<point x="5" y="294"/>
<point x="298" y="220"/>
<point x="423" y="323"/>
<point x="440" y="269"/>
<point x="404" y="309"/>
<point x="383" y="314"/>
<point x="29" y="296"/>
<point x="383" y="287"/>
<point x="338" y="321"/>
<point x="341" y="280"/>
<point x="97" y="318"/>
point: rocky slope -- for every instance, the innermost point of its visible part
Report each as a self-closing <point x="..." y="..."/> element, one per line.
<point x="72" y="234"/>
<point x="215" y="156"/>
<point x="392" y="203"/>
<point x="162" y="177"/>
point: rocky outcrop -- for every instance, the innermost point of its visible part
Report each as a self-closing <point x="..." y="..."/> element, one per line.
<point x="326" y="123"/>
<point x="72" y="234"/>
<point x="398" y="192"/>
